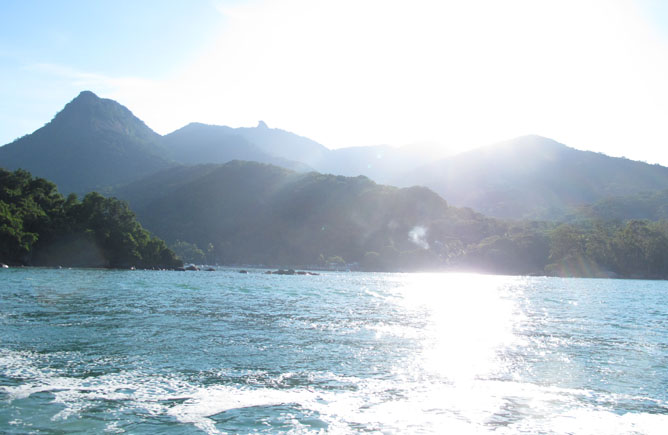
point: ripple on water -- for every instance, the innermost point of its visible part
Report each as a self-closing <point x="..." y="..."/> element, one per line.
<point x="147" y="352"/>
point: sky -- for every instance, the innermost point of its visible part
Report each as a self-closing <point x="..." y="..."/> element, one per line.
<point x="455" y="75"/>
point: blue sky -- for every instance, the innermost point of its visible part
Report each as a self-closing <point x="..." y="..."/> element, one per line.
<point x="146" y="38"/>
<point x="45" y="45"/>
<point x="454" y="74"/>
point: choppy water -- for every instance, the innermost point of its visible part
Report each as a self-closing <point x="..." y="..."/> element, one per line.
<point x="89" y="351"/>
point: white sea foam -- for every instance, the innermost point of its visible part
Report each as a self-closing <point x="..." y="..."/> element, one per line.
<point x="391" y="405"/>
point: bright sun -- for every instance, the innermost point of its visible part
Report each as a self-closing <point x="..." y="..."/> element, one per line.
<point x="461" y="74"/>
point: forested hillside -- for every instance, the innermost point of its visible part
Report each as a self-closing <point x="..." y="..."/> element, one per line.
<point x="250" y="213"/>
<point x="645" y="205"/>
<point x="261" y="214"/>
<point x="40" y="227"/>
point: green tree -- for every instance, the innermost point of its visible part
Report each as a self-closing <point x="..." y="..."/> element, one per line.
<point x="189" y="252"/>
<point x="40" y="227"/>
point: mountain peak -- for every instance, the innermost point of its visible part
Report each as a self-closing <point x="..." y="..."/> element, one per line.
<point x="84" y="99"/>
<point x="91" y="143"/>
<point x="86" y="95"/>
<point x="262" y="124"/>
<point x="88" y="112"/>
<point x="84" y="105"/>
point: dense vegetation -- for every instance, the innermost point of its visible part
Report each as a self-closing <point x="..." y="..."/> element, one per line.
<point x="590" y="248"/>
<point x="644" y="205"/>
<point x="636" y="249"/>
<point x="38" y="226"/>
<point x="249" y="213"/>
<point x="261" y="214"/>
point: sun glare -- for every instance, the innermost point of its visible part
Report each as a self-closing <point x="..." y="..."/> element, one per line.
<point x="469" y="318"/>
<point x="461" y="74"/>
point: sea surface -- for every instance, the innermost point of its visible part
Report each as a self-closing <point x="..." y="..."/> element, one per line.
<point x="144" y="352"/>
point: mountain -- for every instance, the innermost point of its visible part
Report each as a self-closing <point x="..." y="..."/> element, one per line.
<point x="534" y="177"/>
<point x="90" y="144"/>
<point x="95" y="143"/>
<point x="253" y="213"/>
<point x="263" y="214"/>
<point x="200" y="143"/>
<point x="284" y="144"/>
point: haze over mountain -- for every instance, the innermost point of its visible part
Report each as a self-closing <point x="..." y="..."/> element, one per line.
<point x="534" y="177"/>
<point x="255" y="213"/>
<point x="201" y="143"/>
<point x="91" y="144"/>
<point x="95" y="144"/>
<point x="260" y="214"/>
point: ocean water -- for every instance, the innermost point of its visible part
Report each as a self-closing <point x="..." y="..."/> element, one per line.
<point x="95" y="351"/>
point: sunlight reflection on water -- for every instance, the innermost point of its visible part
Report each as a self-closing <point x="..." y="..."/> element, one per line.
<point x="468" y="319"/>
<point x="338" y="353"/>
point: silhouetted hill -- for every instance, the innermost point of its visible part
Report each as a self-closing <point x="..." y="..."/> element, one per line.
<point x="534" y="177"/>
<point x="90" y="144"/>
<point x="263" y="214"/>
<point x="94" y="144"/>
<point x="253" y="213"/>
<point x="200" y="143"/>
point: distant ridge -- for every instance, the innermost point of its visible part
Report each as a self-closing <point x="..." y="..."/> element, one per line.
<point x="534" y="177"/>
<point x="198" y="143"/>
<point x="98" y="144"/>
<point x="90" y="144"/>
<point x="284" y="144"/>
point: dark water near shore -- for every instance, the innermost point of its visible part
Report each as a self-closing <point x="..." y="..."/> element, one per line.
<point x="93" y="351"/>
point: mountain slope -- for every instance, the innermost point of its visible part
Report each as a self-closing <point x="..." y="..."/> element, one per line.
<point x="262" y="214"/>
<point x="281" y="143"/>
<point x="534" y="177"/>
<point x="252" y="213"/>
<point x="90" y="144"/>
<point x="201" y="144"/>
<point x="94" y="143"/>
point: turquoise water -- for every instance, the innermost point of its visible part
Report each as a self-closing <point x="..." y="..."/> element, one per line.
<point x="93" y="351"/>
